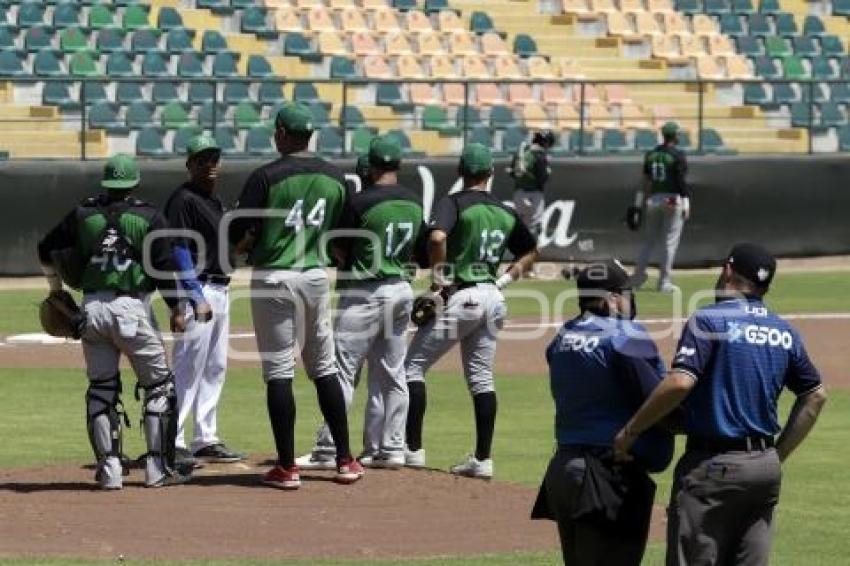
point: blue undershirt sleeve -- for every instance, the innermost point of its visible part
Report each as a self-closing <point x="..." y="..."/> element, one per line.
<point x="186" y="270"/>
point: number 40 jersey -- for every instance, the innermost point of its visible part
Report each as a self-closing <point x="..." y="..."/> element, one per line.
<point x="480" y="228"/>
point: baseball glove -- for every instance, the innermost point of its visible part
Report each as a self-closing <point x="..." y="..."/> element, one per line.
<point x="634" y="217"/>
<point x="424" y="309"/>
<point x="60" y="316"/>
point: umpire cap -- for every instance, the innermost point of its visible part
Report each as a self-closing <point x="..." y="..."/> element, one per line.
<point x="753" y="263"/>
<point x="608" y="275"/>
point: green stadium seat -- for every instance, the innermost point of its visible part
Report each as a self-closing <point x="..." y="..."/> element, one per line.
<point x="404" y="5"/>
<point x="360" y="140"/>
<point x="110" y="40"/>
<point x="844" y="138"/>
<point x="201" y="92"/>
<point x="306" y="93"/>
<point x="243" y="4"/>
<point x="749" y="45"/>
<point x="205" y="115"/>
<point x="258" y="141"/>
<point x="841" y="7"/>
<point x="246" y="116"/>
<point x="813" y="25"/>
<point x="235" y="93"/>
<point x="766" y="68"/>
<point x="844" y="67"/>
<point x="213" y="42"/>
<point x="690" y="6"/>
<point x="174" y="116"/>
<point x="433" y="6"/>
<point x="73" y="39"/>
<point x="190" y="64"/>
<point x="46" y="64"/>
<point x="832" y="115"/>
<point x="777" y="46"/>
<point x="822" y="69"/>
<point x="139" y="115"/>
<point x="759" y="25"/>
<point x="646" y="140"/>
<point x="614" y="141"/>
<point x="800" y="113"/>
<point x="255" y="20"/>
<point x="259" y="67"/>
<point x="225" y="137"/>
<point x="839" y="92"/>
<point x="784" y="93"/>
<point x="742" y="6"/>
<point x="785" y="24"/>
<point x="225" y="64"/>
<point x="182" y="137"/>
<point x="94" y="92"/>
<point x="82" y="64"/>
<point x="342" y="68"/>
<point x="805" y="46"/>
<point x="513" y="137"/>
<point x="436" y="118"/>
<point x="562" y="145"/>
<point x="168" y="19"/>
<point x="101" y="16"/>
<point x="732" y="24"/>
<point x="480" y="134"/>
<point x="712" y="142"/>
<point x="353" y="117"/>
<point x="271" y="93"/>
<point x="127" y="93"/>
<point x="524" y="45"/>
<point x="66" y="15"/>
<point x="179" y="41"/>
<point x="717" y="7"/>
<point x="469" y="114"/>
<point x="816" y="90"/>
<point x="38" y="38"/>
<point x="155" y="64"/>
<point x="149" y="143"/>
<point x="11" y="64"/>
<point x="831" y="45"/>
<point x="755" y="93"/>
<point x="389" y="94"/>
<point x="104" y="116"/>
<point x="404" y="142"/>
<point x="58" y="94"/>
<point x="297" y="45"/>
<point x="321" y="117"/>
<point x="8" y="37"/>
<point x="136" y="17"/>
<point x="684" y="141"/>
<point x="119" y="64"/>
<point x="216" y="6"/>
<point x="769" y="7"/>
<point x="502" y="117"/>
<point x="329" y="141"/>
<point x="145" y="41"/>
<point x="166" y="92"/>
<point x="793" y="68"/>
<point x="480" y="22"/>
<point x="582" y="142"/>
<point x="30" y="14"/>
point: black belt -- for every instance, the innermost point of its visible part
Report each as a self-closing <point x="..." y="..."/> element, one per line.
<point x="745" y="444"/>
<point x="598" y="451"/>
<point x="116" y="292"/>
<point x="214" y="279"/>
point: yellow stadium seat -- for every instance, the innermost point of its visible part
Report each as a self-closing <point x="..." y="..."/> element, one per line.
<point x="568" y="68"/>
<point x="385" y="20"/>
<point x="598" y="116"/>
<point x="603" y="7"/>
<point x="591" y="95"/>
<point x="423" y="94"/>
<point x="308" y="3"/>
<point x="418" y="22"/>
<point x="507" y="68"/>
<point x="675" y="23"/>
<point x="708" y="67"/>
<point x="634" y="116"/>
<point x="331" y="43"/>
<point x="362" y="43"/>
<point x="631" y="6"/>
<point x="521" y="95"/>
<point x="534" y="116"/>
<point x="398" y="44"/>
<point x="341" y="4"/>
<point x="288" y="19"/>
<point x="449" y="21"/>
<point x="443" y="67"/>
<point x="661" y="6"/>
<point x="618" y="24"/>
<point x="493" y="44"/>
<point x="551" y="93"/>
<point x="540" y="68"/>
<point x="646" y="24"/>
<point x="488" y="94"/>
<point x="567" y="116"/>
<point x="277" y="4"/>
<point x="376" y="67"/>
<point x="455" y="94"/>
<point x="462" y="43"/>
<point x="319" y="19"/>
<point x="431" y="44"/>
<point x="373" y="4"/>
<point x="580" y="8"/>
<point x="720" y="45"/>
<point x="475" y="68"/>
<point x="664" y="47"/>
<point x="738" y="67"/>
<point x="352" y="20"/>
<point x="409" y="67"/>
<point x="691" y="46"/>
<point x="705" y="25"/>
<point x="616" y="94"/>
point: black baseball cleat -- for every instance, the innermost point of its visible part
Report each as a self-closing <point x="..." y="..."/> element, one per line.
<point x="218" y="454"/>
<point x="184" y="458"/>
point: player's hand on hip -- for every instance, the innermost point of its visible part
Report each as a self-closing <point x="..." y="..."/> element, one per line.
<point x="622" y="446"/>
<point x="203" y="312"/>
<point x="177" y="320"/>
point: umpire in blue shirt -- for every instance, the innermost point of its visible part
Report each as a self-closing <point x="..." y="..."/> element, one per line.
<point x="602" y="367"/>
<point x="733" y="360"/>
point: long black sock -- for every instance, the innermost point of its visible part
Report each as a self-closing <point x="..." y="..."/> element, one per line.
<point x="485" y="423"/>
<point x="416" y="414"/>
<point x="332" y="404"/>
<point x="281" y="405"/>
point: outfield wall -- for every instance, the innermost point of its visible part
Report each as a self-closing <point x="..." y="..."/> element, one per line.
<point x="796" y="206"/>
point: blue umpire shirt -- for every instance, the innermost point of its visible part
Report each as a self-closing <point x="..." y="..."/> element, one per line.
<point x="601" y="370"/>
<point x="741" y="356"/>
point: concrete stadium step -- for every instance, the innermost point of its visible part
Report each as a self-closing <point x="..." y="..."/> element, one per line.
<point x="761" y="140"/>
<point x="40" y="144"/>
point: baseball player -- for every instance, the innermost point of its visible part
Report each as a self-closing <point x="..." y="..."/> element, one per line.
<point x="468" y="234"/>
<point x="733" y="360"/>
<point x="200" y="356"/>
<point x="282" y="218"/>
<point x="663" y="203"/>
<point x="106" y="233"/>
<point x="602" y="366"/>
<point x="530" y="170"/>
<point x="375" y="306"/>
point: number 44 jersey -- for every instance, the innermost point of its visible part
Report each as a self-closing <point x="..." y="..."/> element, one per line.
<point x="480" y="228"/>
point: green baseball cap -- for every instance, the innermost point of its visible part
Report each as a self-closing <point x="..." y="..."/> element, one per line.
<point x="476" y="158"/>
<point x="670" y="129"/>
<point x="294" y="117"/>
<point x="384" y="150"/>
<point x="121" y="172"/>
<point x="201" y="143"/>
<point x="361" y="168"/>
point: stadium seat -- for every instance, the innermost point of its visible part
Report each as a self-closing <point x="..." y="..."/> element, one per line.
<point x="82" y="64"/>
<point x="332" y="43"/>
<point x="840" y="92"/>
<point x="822" y="69"/>
<point x="201" y="92"/>
<point x="321" y="118"/>
<point x="8" y="35"/>
<point x="480" y="134"/>
<point x="785" y="24"/>
<point x="738" y="67"/>
<point x="717" y="7"/>
<point x="404" y="141"/>
<point x="30" y="14"/>
<point x="190" y="64"/>
<point x="844" y="67"/>
<point x="432" y="6"/>
<point x="215" y="6"/>
<point x="110" y="40"/>
<point x="364" y="43"/>
<point x="145" y="41"/>
<point x="801" y="115"/>
<point x="831" y="45"/>
<point x="127" y="93"/>
<point x="540" y="68"/>
<point x="816" y="91"/>
<point x="759" y="24"/>
<point x="139" y="114"/>
<point x="645" y="140"/>
<point x="329" y="141"/>
<point x="769" y="7"/>
<point x="684" y="140"/>
<point x="235" y="93"/>
<point x="305" y="93"/>
<point x="488" y="94"/>
<point x="319" y="19"/>
<point x="507" y="68"/>
<point x="712" y="142"/>
<point x="73" y="39"/>
<point x="299" y="46"/>
<point x="793" y="68"/>
<point x="844" y="138"/>
<point x="491" y="44"/>
<point x="690" y="6"/>
<point x="582" y="142"/>
<point x="46" y="64"/>
<point x="389" y="94"/>
<point x="212" y="114"/>
<point x="675" y="23"/>
<point x="58" y="94"/>
<point x="255" y="20"/>
<point x="259" y="67"/>
<point x="213" y="42"/>
<point x="66" y="15"/>
<point x="353" y="20"/>
<point x="804" y="46"/>
<point x="384" y="21"/>
<point x="732" y="24"/>
<point x="691" y="46"/>
<point x="258" y="141"/>
<point x="480" y="22"/>
<point x="742" y="6"/>
<point x="154" y="64"/>
<point x="813" y="25"/>
<point x="101" y="16"/>
<point x="377" y="67"/>
<point x="288" y="20"/>
<point x="449" y="21"/>
<point x="38" y="38"/>
<point x="755" y="93"/>
<point x="93" y="92"/>
<point x="535" y="116"/>
<point x="135" y="17"/>
<point x="352" y="117"/>
<point x="832" y="115"/>
<point x="841" y="7"/>
<point x="225" y="64"/>
<point x="398" y="44"/>
<point x="404" y="5"/>
<point x="766" y="68"/>
<point x="168" y="19"/>
<point x="225" y="137"/>
<point x="784" y="93"/>
<point x="408" y="67"/>
<point x="777" y="46"/>
<point x="246" y="116"/>
<point x="104" y="116"/>
<point x="342" y="68"/>
<point x="614" y="141"/>
<point x="502" y="117"/>
<point x="149" y="143"/>
<point x="179" y="41"/>
<point x="174" y="116"/>
<point x="360" y="140"/>
<point x="521" y="95"/>
<point x="416" y="22"/>
<point x="513" y="137"/>
<point x="705" y="25"/>
<point x="475" y="68"/>
<point x="436" y="118"/>
<point x="469" y="116"/>
<point x="182" y="137"/>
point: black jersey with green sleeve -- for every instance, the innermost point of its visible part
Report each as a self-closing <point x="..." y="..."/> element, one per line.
<point x="390" y="217"/>
<point x="530" y="168"/>
<point x="109" y="237"/>
<point x="302" y="198"/>
<point x="666" y="168"/>
<point x="480" y="228"/>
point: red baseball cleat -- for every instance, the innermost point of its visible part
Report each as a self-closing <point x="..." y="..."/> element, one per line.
<point x="348" y="471"/>
<point x="283" y="478"/>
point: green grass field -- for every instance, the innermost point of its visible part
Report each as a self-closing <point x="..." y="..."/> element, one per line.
<point x="813" y="514"/>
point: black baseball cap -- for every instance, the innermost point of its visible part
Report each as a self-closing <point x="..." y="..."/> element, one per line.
<point x="752" y="262"/>
<point x="606" y="275"/>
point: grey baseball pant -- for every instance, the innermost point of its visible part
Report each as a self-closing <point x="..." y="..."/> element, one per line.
<point x="721" y="508"/>
<point x="529" y="206"/>
<point x="663" y="226"/>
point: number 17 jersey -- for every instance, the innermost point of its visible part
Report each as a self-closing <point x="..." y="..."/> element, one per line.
<point x="480" y="228"/>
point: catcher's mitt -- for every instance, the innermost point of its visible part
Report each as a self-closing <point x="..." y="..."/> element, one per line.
<point x="60" y="316"/>
<point x="424" y="309"/>
<point x="634" y="217"/>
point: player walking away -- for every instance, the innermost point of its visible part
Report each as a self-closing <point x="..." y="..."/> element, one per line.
<point x="530" y="170"/>
<point x="602" y="366"/>
<point x="666" y="208"/>
<point x="375" y="306"/>
<point x="468" y="235"/>
<point x="200" y="356"/>
<point x="106" y="234"/>
<point x="286" y="208"/>
<point x="733" y="360"/>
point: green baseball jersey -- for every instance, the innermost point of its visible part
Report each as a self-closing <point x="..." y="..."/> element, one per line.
<point x="107" y="236"/>
<point x="665" y="167"/>
<point x="390" y="218"/>
<point x="530" y="168"/>
<point x="480" y="228"/>
<point x="290" y="204"/>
